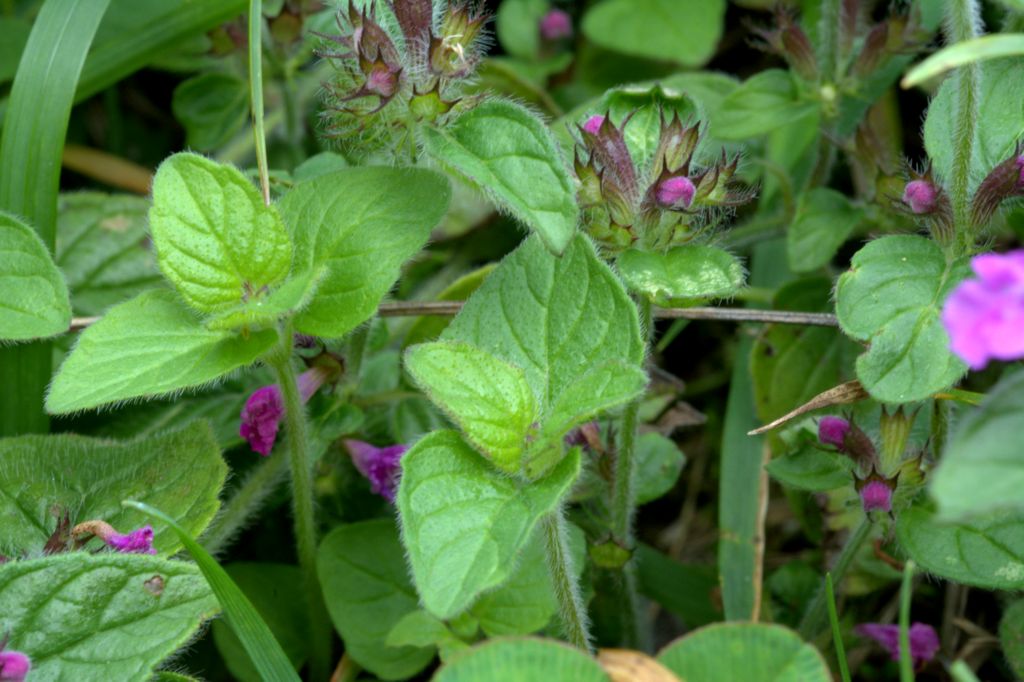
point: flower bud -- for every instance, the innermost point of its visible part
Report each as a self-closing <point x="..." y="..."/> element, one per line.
<point x="832" y="431"/>
<point x="556" y="25"/>
<point x="593" y="124"/>
<point x="876" y="495"/>
<point x="1004" y="182"/>
<point x="920" y="196"/>
<point x="380" y="466"/>
<point x="675" y="191"/>
<point x="14" y="666"/>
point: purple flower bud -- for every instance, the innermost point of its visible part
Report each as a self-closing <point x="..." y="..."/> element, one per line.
<point x="14" y="666"/>
<point x="593" y="124"/>
<point x="921" y="196"/>
<point x="378" y="465"/>
<point x="876" y="495"/>
<point x="139" y="541"/>
<point x="985" y="316"/>
<point x="675" y="191"/>
<point x="261" y="417"/>
<point x="556" y="25"/>
<point x="924" y="641"/>
<point x="833" y="430"/>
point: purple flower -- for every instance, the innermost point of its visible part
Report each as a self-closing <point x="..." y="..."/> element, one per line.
<point x="924" y="642"/>
<point x="264" y="410"/>
<point x="676" y="190"/>
<point x="876" y="495"/>
<point x="985" y="316"/>
<point x="920" y="196"/>
<point x="556" y="25"/>
<point x="833" y="430"/>
<point x="593" y="124"/>
<point x="378" y="465"/>
<point x="139" y="541"/>
<point x="14" y="666"/>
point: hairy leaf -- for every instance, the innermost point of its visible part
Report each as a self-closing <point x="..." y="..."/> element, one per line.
<point x="33" y="296"/>
<point x="812" y="469"/>
<point x="761" y="104"/>
<point x="682" y="275"/>
<point x="522" y="660"/>
<point x="824" y="219"/>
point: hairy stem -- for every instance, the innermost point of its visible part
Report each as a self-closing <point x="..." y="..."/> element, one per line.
<point x="297" y="439"/>
<point x="256" y="93"/>
<point x="906" y="591"/>
<point x="828" y="30"/>
<point x="567" y="593"/>
<point x="811" y="623"/>
<point x="241" y="509"/>
<point x="963" y="23"/>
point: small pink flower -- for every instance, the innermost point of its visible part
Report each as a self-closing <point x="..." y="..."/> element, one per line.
<point x="556" y="25"/>
<point x="378" y="465"/>
<point x="921" y="196"/>
<point x="261" y="417"/>
<point x="833" y="430"/>
<point x="876" y="495"/>
<point x="675" y="191"/>
<point x="593" y="124"/>
<point x="139" y="541"/>
<point x="14" y="666"/>
<point x="985" y="316"/>
<point x="924" y="641"/>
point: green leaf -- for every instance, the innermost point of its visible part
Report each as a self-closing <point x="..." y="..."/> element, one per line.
<point x="965" y="52"/>
<point x="275" y="590"/>
<point x="522" y="660"/>
<point x="511" y="154"/>
<point x="212" y="107"/>
<point x="607" y="386"/>
<point x="987" y="552"/>
<point x="487" y="397"/>
<point x="891" y="297"/>
<point x="981" y="469"/>
<point x="266" y="654"/>
<point x="150" y="345"/>
<point x="429" y="327"/>
<point x="109" y="616"/>
<point x="824" y="220"/>
<point x="556" y="318"/>
<point x="764" y="102"/>
<point x="683" y="275"/>
<point x="752" y="652"/>
<point x="690" y="592"/>
<point x="418" y="629"/>
<point x="13" y="36"/>
<point x="215" y="239"/>
<point x="518" y="26"/>
<point x="1000" y="122"/>
<point x="33" y="296"/>
<point x="181" y="471"/>
<point x="812" y="469"/>
<point x="1011" y="636"/>
<point x="659" y="463"/>
<point x="463" y="523"/>
<point x="102" y="251"/>
<point x="359" y="225"/>
<point x="367" y="590"/>
<point x="265" y="311"/>
<point x="319" y="164"/>
<point x="663" y="30"/>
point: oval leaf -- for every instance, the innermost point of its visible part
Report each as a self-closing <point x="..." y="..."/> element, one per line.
<point x="34" y="300"/>
<point x="682" y="275"/>
<point x="764" y="102"/>
<point x="824" y="220"/>
<point x="522" y="660"/>
<point x="664" y="30"/>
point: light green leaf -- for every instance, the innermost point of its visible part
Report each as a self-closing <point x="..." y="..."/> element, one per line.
<point x="605" y="387"/>
<point x="212" y="107"/>
<point x="101" y="249"/>
<point x="764" y="102"/>
<point x="812" y="469"/>
<point x="752" y="652"/>
<point x="659" y="462"/>
<point x="359" y="225"/>
<point x="418" y="629"/>
<point x="682" y="275"/>
<point x="429" y="327"/>
<point x="1000" y="122"/>
<point x="463" y="523"/>
<point x="824" y="220"/>
<point x="319" y="164"/>
<point x="987" y="552"/>
<point x="265" y="311"/>
<point x="511" y="154"/>
<point x="182" y="471"/>
<point x="367" y="591"/>
<point x="981" y="469"/>
<point x="522" y="660"/>
<point x="83" y="616"/>
<point x="150" y="345"/>
<point x="664" y="30"/>
<point x="487" y="397"/>
<point x="215" y="239"/>
<point x="556" y="318"/>
<point x="33" y="296"/>
<point x="891" y="297"/>
<point x="965" y="52"/>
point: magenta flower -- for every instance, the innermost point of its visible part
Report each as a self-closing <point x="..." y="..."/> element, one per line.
<point x="264" y="410"/>
<point x="920" y="196"/>
<point x="985" y="316"/>
<point x="378" y="465"/>
<point x="593" y="124"/>
<point x="556" y="25"/>
<point x="676" y="190"/>
<point x="876" y="495"/>
<point x="833" y="430"/>
<point x="14" y="666"/>
<point x="138" y="541"/>
<point x="924" y="641"/>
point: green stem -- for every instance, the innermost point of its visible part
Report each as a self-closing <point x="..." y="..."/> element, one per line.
<point x="256" y="93"/>
<point x="243" y="506"/>
<point x="963" y="24"/>
<point x="829" y="35"/>
<point x="906" y="591"/>
<point x="567" y="593"/>
<point x="810" y="624"/>
<point x="837" y="634"/>
<point x="297" y="439"/>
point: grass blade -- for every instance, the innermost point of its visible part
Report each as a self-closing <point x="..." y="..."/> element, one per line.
<point x="966" y="52"/>
<point x="837" y="635"/>
<point x="906" y="592"/>
<point x="265" y="652"/>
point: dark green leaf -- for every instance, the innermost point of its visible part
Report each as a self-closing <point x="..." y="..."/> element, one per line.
<point x="824" y="220"/>
<point x="664" y="30"/>
<point x="212" y="107"/>
<point x="761" y="104"/>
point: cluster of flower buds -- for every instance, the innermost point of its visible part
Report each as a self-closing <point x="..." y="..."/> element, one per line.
<point x="395" y="68"/>
<point x="660" y="206"/>
<point x="878" y="475"/>
<point x="788" y="40"/>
